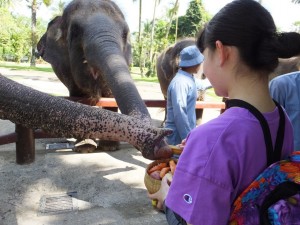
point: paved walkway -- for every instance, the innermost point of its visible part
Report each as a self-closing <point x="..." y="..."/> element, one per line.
<point x="66" y="188"/>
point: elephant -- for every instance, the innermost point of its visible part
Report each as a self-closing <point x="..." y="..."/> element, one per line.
<point x="58" y="116"/>
<point x="286" y="66"/>
<point x="167" y="67"/>
<point x="89" y="49"/>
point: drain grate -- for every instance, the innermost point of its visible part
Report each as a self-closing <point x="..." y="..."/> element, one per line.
<point x="59" y="203"/>
<point x="62" y="145"/>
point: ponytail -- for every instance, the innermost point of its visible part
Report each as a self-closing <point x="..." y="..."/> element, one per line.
<point x="289" y="44"/>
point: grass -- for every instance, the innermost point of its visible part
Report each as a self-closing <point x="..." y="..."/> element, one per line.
<point x="135" y="73"/>
<point x="25" y="66"/>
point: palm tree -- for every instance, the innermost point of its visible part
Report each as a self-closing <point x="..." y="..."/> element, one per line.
<point x="34" y="5"/>
<point x="139" y="37"/>
<point x="59" y="9"/>
<point x="172" y="12"/>
<point x="156" y="3"/>
<point x="4" y="3"/>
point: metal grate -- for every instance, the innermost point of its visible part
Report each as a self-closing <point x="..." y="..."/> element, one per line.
<point x="59" y="203"/>
<point x="54" y="146"/>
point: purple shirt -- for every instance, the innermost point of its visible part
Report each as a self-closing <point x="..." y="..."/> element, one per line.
<point x="221" y="158"/>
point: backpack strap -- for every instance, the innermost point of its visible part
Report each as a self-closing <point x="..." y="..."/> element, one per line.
<point x="273" y="155"/>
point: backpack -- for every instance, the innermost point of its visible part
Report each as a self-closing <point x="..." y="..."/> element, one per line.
<point x="273" y="198"/>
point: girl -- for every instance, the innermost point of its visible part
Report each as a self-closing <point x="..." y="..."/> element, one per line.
<point x="221" y="157"/>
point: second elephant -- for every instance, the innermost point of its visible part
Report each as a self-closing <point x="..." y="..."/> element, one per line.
<point x="167" y="67"/>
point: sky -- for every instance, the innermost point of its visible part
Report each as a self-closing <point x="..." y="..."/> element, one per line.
<point x="284" y="12"/>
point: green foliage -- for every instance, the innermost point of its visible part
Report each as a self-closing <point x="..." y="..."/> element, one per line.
<point x="188" y="26"/>
<point x="47" y="2"/>
<point x="296" y="26"/>
<point x="15" y="36"/>
<point x="4" y="3"/>
<point x="193" y="21"/>
<point x="58" y="10"/>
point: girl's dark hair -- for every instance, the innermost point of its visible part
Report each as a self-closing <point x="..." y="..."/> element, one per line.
<point x="248" y="26"/>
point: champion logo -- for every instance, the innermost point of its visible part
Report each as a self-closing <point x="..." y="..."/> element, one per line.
<point x="187" y="198"/>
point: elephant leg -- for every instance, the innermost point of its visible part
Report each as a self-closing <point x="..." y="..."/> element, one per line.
<point x="104" y="145"/>
<point x="108" y="145"/>
<point x="163" y="122"/>
<point x="199" y="114"/>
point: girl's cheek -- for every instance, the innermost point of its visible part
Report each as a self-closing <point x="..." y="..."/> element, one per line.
<point x="205" y="69"/>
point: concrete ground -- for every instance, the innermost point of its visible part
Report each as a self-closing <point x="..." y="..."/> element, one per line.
<point x="66" y="188"/>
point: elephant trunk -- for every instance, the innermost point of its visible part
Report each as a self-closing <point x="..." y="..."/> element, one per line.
<point x="58" y="116"/>
<point x="103" y="46"/>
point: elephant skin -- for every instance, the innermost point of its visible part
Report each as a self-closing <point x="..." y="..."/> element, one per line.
<point x="58" y="116"/>
<point x="286" y="66"/>
<point x="90" y="52"/>
<point x="167" y="67"/>
<point x="167" y="63"/>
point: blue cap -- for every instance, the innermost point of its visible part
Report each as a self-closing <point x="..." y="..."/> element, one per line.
<point x="190" y="56"/>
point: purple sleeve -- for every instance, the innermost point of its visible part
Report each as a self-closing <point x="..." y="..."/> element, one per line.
<point x="196" y="197"/>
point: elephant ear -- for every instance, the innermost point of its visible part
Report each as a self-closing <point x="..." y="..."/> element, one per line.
<point x="168" y="64"/>
<point x="175" y="65"/>
<point x="52" y="35"/>
<point x="54" y="28"/>
<point x="127" y="49"/>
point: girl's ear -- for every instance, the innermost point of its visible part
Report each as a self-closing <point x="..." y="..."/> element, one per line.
<point x="222" y="53"/>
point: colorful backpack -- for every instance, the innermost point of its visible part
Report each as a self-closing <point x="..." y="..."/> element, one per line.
<point x="273" y="198"/>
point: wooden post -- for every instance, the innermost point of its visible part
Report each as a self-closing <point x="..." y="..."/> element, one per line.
<point x="25" y="145"/>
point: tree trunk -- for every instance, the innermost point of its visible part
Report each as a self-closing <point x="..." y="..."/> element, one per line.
<point x="33" y="32"/>
<point x="176" y="27"/>
<point x="140" y="43"/>
<point x="175" y="11"/>
<point x="152" y="31"/>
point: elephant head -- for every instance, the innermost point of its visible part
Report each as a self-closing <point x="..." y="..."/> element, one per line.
<point x="58" y="116"/>
<point x="89" y="50"/>
<point x="167" y="63"/>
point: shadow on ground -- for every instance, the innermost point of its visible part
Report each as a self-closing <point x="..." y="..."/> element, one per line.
<point x="108" y="186"/>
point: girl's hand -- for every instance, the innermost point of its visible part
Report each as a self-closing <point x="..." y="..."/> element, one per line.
<point x="161" y="195"/>
<point x="182" y="144"/>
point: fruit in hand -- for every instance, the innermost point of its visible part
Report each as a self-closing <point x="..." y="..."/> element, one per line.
<point x="176" y="149"/>
<point x="155" y="175"/>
